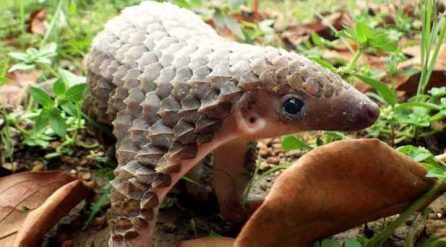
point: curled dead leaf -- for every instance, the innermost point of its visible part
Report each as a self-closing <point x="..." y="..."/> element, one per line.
<point x="334" y="188"/>
<point x="36" y="22"/>
<point x="31" y="203"/>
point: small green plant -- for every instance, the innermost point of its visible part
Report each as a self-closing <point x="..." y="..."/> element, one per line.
<point x="295" y="143"/>
<point x="334" y="243"/>
<point x="97" y="206"/>
<point x="60" y="115"/>
<point x="404" y="121"/>
<point x="33" y="58"/>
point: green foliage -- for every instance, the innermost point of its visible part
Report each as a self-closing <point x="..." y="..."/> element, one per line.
<point x="367" y="37"/>
<point x="329" y="243"/>
<point x="432" y="36"/>
<point x="334" y="243"/>
<point x="436" y="168"/>
<point x="33" y="57"/>
<point x="55" y="112"/>
<point x="388" y="95"/>
<point x="97" y="206"/>
<point x="294" y="143"/>
<point x="413" y="119"/>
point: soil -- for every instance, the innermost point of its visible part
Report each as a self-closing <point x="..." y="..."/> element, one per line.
<point x="183" y="217"/>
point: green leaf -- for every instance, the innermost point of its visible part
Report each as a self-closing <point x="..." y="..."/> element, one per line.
<point x="323" y="63"/>
<point x="383" y="40"/>
<point x="292" y="143"/>
<point x="41" y="97"/>
<point x="76" y="92"/>
<point x="219" y="19"/>
<point x="436" y="173"/>
<point x="317" y="40"/>
<point x="235" y="28"/>
<point x="69" y="108"/>
<point x="438" y="91"/>
<point x="21" y="66"/>
<point x="345" y="34"/>
<point x="19" y="56"/>
<point x="214" y="234"/>
<point x="388" y="94"/>
<point x="59" y="87"/>
<point x="58" y="125"/>
<point x="42" y="120"/>
<point x="351" y="243"/>
<point x="329" y="243"/>
<point x="38" y="139"/>
<point x="70" y="78"/>
<point x="362" y="32"/>
<point x="419" y="154"/>
<point x="48" y="50"/>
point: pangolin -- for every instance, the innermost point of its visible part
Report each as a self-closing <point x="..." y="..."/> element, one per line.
<point x="175" y="91"/>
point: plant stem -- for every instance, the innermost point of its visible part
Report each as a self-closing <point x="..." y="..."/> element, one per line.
<point x="22" y="16"/>
<point x="438" y="187"/>
<point x="78" y="122"/>
<point x="353" y="61"/>
<point x="417" y="228"/>
<point x="51" y="70"/>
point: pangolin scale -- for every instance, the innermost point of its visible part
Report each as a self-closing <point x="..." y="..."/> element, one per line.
<point x="174" y="90"/>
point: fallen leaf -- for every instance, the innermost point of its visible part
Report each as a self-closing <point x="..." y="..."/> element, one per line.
<point x="36" y="22"/>
<point x="31" y="203"/>
<point x="409" y="83"/>
<point x="14" y="91"/>
<point x="207" y="242"/>
<point x="295" y="34"/>
<point x="331" y="189"/>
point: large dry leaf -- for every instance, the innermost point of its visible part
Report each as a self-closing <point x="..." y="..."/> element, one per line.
<point x="208" y="242"/>
<point x="31" y="203"/>
<point x="334" y="188"/>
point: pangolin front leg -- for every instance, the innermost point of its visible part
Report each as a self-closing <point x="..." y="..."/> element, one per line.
<point x="225" y="174"/>
<point x="233" y="168"/>
<point x="175" y="91"/>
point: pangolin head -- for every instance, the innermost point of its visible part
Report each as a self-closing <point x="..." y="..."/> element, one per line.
<point x="294" y="94"/>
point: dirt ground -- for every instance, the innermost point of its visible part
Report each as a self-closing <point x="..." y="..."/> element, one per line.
<point x="183" y="217"/>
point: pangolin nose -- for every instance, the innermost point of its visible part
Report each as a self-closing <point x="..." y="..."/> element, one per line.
<point x="370" y="113"/>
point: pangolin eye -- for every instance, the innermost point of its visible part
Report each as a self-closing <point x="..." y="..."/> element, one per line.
<point x="292" y="106"/>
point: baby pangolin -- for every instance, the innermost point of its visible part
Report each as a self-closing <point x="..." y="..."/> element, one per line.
<point x="175" y="91"/>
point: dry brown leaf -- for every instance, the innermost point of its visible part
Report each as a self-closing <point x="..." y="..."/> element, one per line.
<point x="295" y="34"/>
<point x="13" y="92"/>
<point x="208" y="242"/>
<point x="31" y="203"/>
<point x="36" y="22"/>
<point x="334" y="188"/>
<point x="409" y="84"/>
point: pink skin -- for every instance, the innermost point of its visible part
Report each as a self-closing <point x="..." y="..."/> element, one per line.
<point x="230" y="178"/>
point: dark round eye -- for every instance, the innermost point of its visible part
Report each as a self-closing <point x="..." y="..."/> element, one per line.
<point x="292" y="106"/>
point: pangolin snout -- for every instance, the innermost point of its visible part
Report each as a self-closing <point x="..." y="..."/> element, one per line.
<point x="368" y="114"/>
